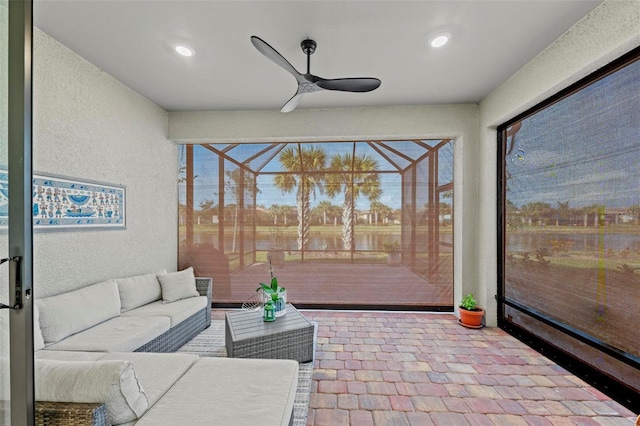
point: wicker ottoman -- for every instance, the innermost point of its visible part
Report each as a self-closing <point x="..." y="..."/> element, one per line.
<point x="288" y="337"/>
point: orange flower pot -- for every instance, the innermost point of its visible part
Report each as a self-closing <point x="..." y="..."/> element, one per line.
<point x="471" y="319"/>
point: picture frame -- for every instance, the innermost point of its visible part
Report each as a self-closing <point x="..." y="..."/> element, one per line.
<point x="65" y="203"/>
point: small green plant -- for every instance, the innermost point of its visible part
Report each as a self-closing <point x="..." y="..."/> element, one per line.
<point x="469" y="303"/>
<point x="273" y="289"/>
<point x="627" y="269"/>
<point x="540" y="255"/>
<point x="525" y="256"/>
<point x="391" y="246"/>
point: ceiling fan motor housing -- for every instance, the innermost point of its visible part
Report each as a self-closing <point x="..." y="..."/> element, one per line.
<point x="308" y="46"/>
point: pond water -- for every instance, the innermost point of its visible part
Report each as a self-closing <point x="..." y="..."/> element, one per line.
<point x="578" y="242"/>
<point x="364" y="241"/>
<point x="374" y="241"/>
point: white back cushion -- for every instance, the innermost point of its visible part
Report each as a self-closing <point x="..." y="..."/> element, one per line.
<point x="113" y="383"/>
<point x="138" y="290"/>
<point x="77" y="310"/>
<point x="38" y="340"/>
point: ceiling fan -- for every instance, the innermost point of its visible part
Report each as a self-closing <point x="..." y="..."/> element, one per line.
<point x="308" y="83"/>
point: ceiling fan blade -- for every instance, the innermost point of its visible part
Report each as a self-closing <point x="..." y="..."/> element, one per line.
<point x="271" y="53"/>
<point x="291" y="103"/>
<point x="349" y="84"/>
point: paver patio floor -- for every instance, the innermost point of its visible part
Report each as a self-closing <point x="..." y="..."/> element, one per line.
<point x="387" y="368"/>
<point x="390" y="368"/>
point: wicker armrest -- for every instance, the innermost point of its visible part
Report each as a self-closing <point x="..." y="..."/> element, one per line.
<point x="204" y="286"/>
<point x="71" y="414"/>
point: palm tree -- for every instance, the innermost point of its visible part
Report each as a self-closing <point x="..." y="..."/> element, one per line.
<point x="592" y="209"/>
<point x="634" y="211"/>
<point x="537" y="211"/>
<point x="352" y="176"/>
<point x="563" y="213"/>
<point x="239" y="182"/>
<point x="335" y="212"/>
<point x="276" y="211"/>
<point x="380" y="211"/>
<point x="324" y="207"/>
<point x="308" y="162"/>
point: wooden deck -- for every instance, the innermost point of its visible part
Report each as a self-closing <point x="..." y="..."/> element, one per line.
<point x="335" y="284"/>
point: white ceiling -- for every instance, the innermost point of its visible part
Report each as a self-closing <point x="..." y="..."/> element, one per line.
<point x="133" y="41"/>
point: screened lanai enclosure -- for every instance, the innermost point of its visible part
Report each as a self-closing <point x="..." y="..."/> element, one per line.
<point x="340" y="224"/>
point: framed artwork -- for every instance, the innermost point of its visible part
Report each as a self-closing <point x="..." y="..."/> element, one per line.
<point x="61" y="203"/>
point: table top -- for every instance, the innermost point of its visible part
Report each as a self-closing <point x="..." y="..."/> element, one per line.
<point x="249" y="324"/>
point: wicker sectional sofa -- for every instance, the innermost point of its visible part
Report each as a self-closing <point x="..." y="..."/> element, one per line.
<point x="98" y="359"/>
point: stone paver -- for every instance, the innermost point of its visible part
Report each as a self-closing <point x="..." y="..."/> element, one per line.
<point x="390" y="368"/>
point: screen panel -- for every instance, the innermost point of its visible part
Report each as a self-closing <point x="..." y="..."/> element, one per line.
<point x="570" y="234"/>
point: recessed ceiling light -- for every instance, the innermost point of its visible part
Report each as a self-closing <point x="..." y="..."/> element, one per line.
<point x="184" y="50"/>
<point x="440" y="40"/>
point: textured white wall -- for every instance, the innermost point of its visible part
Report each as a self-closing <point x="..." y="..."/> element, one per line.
<point x="608" y="32"/>
<point x="89" y="126"/>
<point x="392" y="123"/>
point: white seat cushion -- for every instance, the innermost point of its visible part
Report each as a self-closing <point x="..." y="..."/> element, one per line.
<point x="121" y="334"/>
<point x="113" y="383"/>
<point x="69" y="355"/>
<point x="156" y="372"/>
<point x="138" y="290"/>
<point x="69" y="313"/>
<point x="230" y="392"/>
<point x="178" y="311"/>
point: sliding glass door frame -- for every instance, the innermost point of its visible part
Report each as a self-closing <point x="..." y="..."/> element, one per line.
<point x="20" y="236"/>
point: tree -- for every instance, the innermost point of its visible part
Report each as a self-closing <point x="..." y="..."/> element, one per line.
<point x="208" y="209"/>
<point x="324" y="207"/>
<point x="352" y="176"/>
<point x="514" y="221"/>
<point x="537" y="211"/>
<point x="380" y="211"/>
<point x="335" y="212"/>
<point x="288" y="214"/>
<point x="308" y="163"/>
<point x="592" y="209"/>
<point x="634" y="211"/>
<point x="239" y="183"/>
<point x="276" y="211"/>
<point x="563" y="213"/>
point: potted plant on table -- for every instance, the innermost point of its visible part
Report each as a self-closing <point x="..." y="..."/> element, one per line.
<point x="470" y="314"/>
<point x="392" y="248"/>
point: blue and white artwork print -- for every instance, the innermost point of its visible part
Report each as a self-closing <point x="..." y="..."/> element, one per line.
<point x="66" y="203"/>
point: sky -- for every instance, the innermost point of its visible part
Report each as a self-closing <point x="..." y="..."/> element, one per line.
<point x="584" y="149"/>
<point x="206" y="169"/>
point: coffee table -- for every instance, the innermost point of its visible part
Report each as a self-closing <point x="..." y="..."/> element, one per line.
<point x="288" y="337"/>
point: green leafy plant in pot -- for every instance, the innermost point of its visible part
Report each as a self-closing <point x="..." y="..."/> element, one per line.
<point x="470" y="314"/>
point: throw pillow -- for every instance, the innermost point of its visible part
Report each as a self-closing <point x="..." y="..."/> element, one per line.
<point x="113" y="383"/>
<point x="178" y="285"/>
